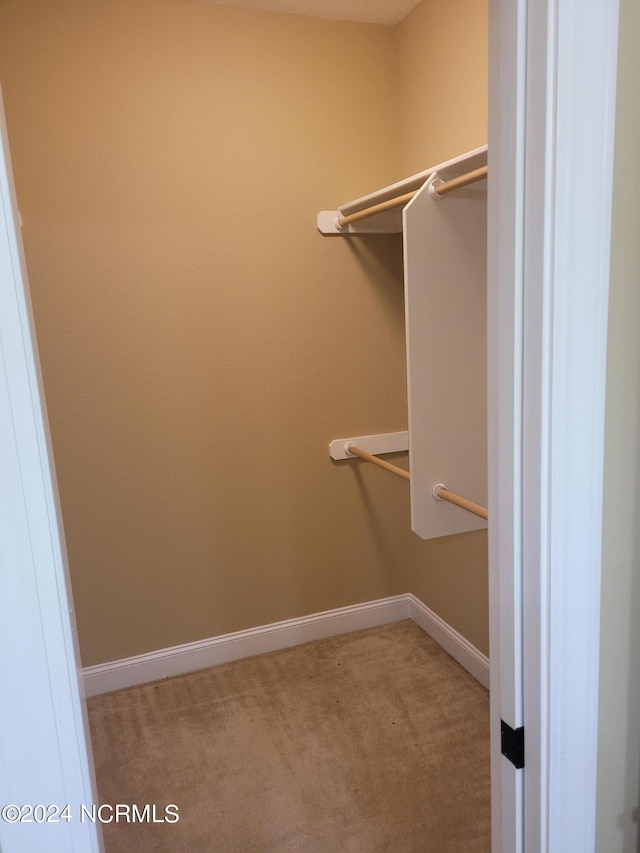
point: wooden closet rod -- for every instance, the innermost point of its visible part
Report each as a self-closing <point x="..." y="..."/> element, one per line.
<point x="369" y="457"/>
<point x="390" y="204"/>
<point x="442" y="492"/>
<point x="399" y="201"/>
<point x="461" y="181"/>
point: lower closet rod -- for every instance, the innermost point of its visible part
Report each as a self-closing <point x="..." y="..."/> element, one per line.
<point x="440" y="491"/>
<point x="369" y="457"/>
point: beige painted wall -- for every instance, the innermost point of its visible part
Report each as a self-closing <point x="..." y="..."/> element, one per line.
<point x="618" y="815"/>
<point x="443" y="70"/>
<point x="200" y="342"/>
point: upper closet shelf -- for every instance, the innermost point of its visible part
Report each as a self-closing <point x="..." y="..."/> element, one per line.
<point x="380" y="212"/>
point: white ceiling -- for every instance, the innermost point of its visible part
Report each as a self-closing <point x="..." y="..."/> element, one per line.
<point x="371" y="11"/>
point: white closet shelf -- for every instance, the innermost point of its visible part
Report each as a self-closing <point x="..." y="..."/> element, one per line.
<point x="397" y="196"/>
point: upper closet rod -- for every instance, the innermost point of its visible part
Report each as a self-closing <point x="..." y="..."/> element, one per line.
<point x="440" y="491"/>
<point x="399" y="201"/>
<point x="473" y="177"/>
<point x="390" y="204"/>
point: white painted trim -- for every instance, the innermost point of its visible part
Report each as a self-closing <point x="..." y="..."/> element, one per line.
<point x="552" y="110"/>
<point x="505" y="239"/>
<point x="571" y="55"/>
<point x="241" y="644"/>
<point x="468" y="656"/>
<point x="190" y="657"/>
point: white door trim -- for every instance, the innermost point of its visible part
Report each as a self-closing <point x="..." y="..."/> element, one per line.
<point x="570" y="129"/>
<point x="565" y="54"/>
<point x="44" y="755"/>
<point x="507" y="92"/>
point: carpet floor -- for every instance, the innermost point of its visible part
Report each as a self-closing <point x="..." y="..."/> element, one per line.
<point x="372" y="741"/>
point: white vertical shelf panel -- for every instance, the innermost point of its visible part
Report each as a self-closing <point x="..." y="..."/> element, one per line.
<point x="445" y="251"/>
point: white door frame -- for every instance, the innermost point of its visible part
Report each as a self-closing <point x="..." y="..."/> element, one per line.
<point x="552" y="125"/>
<point x="505" y="235"/>
<point x="44" y="754"/>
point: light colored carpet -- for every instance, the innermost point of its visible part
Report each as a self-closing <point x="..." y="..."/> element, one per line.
<point x="371" y="741"/>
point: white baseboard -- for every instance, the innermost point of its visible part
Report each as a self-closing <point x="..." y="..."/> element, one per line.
<point x="189" y="657"/>
<point x="467" y="655"/>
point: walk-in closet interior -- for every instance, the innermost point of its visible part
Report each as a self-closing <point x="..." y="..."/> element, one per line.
<point x="205" y="336"/>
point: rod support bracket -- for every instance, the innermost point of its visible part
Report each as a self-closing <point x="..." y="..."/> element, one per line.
<point x="434" y="491"/>
<point x="434" y="183"/>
